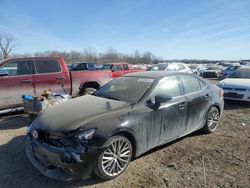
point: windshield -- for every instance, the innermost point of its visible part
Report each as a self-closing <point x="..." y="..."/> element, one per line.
<point x="127" y="89"/>
<point x="241" y="73"/>
<point x="158" y="67"/>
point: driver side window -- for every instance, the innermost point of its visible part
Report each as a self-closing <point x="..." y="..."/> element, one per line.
<point x="166" y="86"/>
<point x="17" y="68"/>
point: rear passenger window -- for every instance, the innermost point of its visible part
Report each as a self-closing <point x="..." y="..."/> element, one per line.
<point x="47" y="66"/>
<point x="125" y="67"/>
<point x="191" y="84"/>
<point x="166" y="86"/>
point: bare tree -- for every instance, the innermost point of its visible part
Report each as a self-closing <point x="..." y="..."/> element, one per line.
<point x="7" y="45"/>
<point x="90" y="54"/>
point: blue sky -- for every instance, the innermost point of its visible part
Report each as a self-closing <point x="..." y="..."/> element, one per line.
<point x="194" y="29"/>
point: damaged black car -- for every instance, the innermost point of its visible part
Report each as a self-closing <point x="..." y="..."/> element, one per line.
<point x="102" y="132"/>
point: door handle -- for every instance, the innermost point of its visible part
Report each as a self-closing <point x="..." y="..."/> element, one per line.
<point x="59" y="78"/>
<point x="26" y="81"/>
<point x="182" y="105"/>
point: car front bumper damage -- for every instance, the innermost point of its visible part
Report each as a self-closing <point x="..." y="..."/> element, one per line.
<point x="48" y="160"/>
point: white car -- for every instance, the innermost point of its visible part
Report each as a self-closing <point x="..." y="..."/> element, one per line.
<point x="237" y="86"/>
<point x="177" y="67"/>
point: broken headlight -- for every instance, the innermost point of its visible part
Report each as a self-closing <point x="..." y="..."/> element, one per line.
<point x="79" y="143"/>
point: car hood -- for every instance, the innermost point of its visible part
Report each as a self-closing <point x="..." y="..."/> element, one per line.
<point x="78" y="112"/>
<point x="236" y="82"/>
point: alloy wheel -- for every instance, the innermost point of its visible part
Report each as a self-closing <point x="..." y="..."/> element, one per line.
<point x="213" y="120"/>
<point x="116" y="157"/>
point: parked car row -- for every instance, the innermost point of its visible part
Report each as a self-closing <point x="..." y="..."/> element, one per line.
<point x="206" y="71"/>
<point x="121" y="119"/>
<point x="237" y="85"/>
<point x="178" y="67"/>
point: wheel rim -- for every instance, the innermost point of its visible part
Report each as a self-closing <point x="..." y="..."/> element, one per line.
<point x="213" y="120"/>
<point x="116" y="157"/>
<point x="89" y="92"/>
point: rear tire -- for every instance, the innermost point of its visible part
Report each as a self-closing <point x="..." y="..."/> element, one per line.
<point x="115" y="159"/>
<point x="212" y="120"/>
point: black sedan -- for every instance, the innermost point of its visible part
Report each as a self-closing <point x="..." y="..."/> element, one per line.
<point x="130" y="115"/>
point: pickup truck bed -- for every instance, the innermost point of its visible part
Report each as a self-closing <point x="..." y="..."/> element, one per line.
<point x="79" y="83"/>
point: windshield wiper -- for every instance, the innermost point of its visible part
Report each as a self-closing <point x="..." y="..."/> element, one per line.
<point x="112" y="98"/>
<point x="104" y="96"/>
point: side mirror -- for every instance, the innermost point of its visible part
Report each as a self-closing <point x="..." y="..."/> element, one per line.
<point x="3" y="72"/>
<point x="159" y="99"/>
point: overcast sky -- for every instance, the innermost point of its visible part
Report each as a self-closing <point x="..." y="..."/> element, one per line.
<point x="212" y="29"/>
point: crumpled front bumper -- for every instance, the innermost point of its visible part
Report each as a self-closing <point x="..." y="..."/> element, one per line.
<point x="48" y="161"/>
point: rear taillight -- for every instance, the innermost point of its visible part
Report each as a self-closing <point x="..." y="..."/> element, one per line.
<point x="221" y="92"/>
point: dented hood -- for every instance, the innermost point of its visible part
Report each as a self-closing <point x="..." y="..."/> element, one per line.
<point x="78" y="112"/>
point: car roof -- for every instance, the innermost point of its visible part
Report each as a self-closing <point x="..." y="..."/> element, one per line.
<point x="28" y="58"/>
<point x="155" y="74"/>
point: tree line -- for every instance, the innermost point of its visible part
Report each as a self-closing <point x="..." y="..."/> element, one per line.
<point x="8" y="47"/>
<point x="91" y="55"/>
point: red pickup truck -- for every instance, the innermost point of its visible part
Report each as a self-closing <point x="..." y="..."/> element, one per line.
<point x="119" y="69"/>
<point x="31" y="76"/>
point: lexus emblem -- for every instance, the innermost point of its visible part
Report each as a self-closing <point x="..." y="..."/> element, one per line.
<point x="35" y="134"/>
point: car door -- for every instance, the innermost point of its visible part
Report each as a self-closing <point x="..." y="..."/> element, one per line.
<point x="198" y="101"/>
<point x="166" y="123"/>
<point x="117" y="71"/>
<point x="49" y="76"/>
<point x="18" y="81"/>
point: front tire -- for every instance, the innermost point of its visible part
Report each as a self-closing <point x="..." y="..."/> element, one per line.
<point x="115" y="159"/>
<point x="87" y="91"/>
<point x="212" y="121"/>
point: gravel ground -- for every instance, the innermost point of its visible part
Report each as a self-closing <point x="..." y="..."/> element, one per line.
<point x="221" y="159"/>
